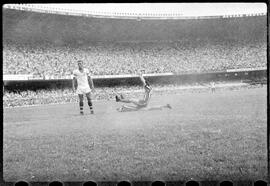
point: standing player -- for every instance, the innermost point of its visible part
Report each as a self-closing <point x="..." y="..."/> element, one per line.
<point x="213" y="86"/>
<point x="83" y="84"/>
<point x="139" y="104"/>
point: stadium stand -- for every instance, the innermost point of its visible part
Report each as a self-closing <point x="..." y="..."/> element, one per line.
<point x="128" y="58"/>
<point x="117" y="46"/>
<point x="48" y="45"/>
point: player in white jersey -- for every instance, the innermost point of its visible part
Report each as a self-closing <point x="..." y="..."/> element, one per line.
<point x="139" y="104"/>
<point x="213" y="86"/>
<point x="83" y="84"/>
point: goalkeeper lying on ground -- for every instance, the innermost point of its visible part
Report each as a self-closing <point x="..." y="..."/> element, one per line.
<point x="139" y="104"/>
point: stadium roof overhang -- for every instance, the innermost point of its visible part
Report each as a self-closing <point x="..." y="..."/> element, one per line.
<point x="42" y="8"/>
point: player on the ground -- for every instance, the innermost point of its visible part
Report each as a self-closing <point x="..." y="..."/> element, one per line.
<point x="83" y="84"/>
<point x="139" y="103"/>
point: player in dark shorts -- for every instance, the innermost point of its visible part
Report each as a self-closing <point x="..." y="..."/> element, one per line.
<point x="138" y="104"/>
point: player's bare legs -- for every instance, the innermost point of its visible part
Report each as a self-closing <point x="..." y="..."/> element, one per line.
<point x="123" y="100"/>
<point x="142" y="103"/>
<point x="127" y="108"/>
<point x="81" y="103"/>
<point x="158" y="107"/>
<point x="81" y="83"/>
<point x="88" y="96"/>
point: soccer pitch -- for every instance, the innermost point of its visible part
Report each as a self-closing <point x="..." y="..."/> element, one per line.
<point x="205" y="136"/>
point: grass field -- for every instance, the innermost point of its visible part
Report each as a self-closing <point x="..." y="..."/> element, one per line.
<point x="205" y="136"/>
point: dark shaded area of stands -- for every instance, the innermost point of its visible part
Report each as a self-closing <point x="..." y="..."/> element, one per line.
<point x="252" y="77"/>
<point x="23" y="26"/>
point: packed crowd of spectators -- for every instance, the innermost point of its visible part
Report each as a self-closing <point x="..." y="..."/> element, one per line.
<point x="44" y="59"/>
<point x="185" y="56"/>
<point x="52" y="96"/>
<point x="29" y="97"/>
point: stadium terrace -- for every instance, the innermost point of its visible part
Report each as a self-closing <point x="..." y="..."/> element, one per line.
<point x="111" y="96"/>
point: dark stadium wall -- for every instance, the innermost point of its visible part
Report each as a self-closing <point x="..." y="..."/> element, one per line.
<point x="251" y="76"/>
<point x="23" y="26"/>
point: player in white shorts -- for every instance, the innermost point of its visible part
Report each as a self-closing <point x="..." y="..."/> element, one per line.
<point x="83" y="84"/>
<point x="213" y="86"/>
<point x="139" y="104"/>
